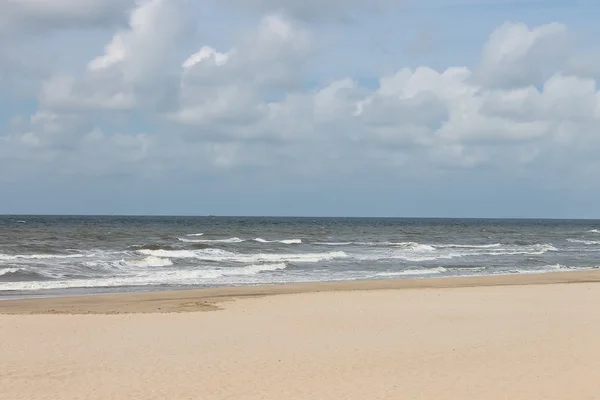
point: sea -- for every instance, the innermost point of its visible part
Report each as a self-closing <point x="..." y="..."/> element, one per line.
<point x="78" y="255"/>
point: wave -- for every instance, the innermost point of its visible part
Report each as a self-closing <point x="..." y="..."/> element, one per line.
<point x="195" y="234"/>
<point x="412" y="245"/>
<point x="6" y="271"/>
<point x="468" y="246"/>
<point x="429" y="271"/>
<point x="587" y="242"/>
<point x="150" y="246"/>
<point x="284" y="241"/>
<point x="536" y="249"/>
<point x="238" y="240"/>
<point x="169" y="277"/>
<point x="252" y="269"/>
<point x="22" y="275"/>
<point x="550" y="268"/>
<point x="150" y="261"/>
<point x="594" y="231"/>
<point x="11" y="257"/>
<point x="223" y="255"/>
<point x="229" y="240"/>
<point x="423" y="253"/>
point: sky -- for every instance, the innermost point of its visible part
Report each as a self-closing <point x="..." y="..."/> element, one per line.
<point x="399" y="108"/>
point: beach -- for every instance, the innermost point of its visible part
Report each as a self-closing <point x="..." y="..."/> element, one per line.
<point x="533" y="336"/>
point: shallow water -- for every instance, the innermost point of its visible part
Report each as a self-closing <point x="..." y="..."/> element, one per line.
<point x="56" y="255"/>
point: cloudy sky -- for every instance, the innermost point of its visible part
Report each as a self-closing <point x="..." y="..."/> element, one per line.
<point x="453" y="108"/>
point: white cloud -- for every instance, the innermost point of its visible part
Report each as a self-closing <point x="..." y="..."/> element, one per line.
<point x="517" y="56"/>
<point x="206" y="54"/>
<point x="91" y="93"/>
<point x="246" y="104"/>
<point x="228" y="87"/>
<point x="145" y="48"/>
<point x="315" y="10"/>
<point x="60" y="14"/>
<point x="114" y="52"/>
<point x="133" y="66"/>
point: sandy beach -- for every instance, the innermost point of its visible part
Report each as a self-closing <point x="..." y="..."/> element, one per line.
<point x="504" y="337"/>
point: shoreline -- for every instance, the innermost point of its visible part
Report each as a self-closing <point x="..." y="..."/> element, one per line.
<point x="209" y="299"/>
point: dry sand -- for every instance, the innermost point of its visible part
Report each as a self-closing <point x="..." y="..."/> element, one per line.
<point x="519" y="337"/>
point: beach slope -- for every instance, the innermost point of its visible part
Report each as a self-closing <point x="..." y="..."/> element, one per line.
<point x="445" y="339"/>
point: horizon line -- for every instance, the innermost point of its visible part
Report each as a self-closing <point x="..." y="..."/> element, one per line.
<point x="298" y="216"/>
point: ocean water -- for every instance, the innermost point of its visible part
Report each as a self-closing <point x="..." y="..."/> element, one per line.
<point x="62" y="255"/>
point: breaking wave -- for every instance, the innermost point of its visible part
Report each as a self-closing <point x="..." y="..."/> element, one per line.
<point x="587" y="242"/>
<point x="412" y="245"/>
<point x="252" y="269"/>
<point x="223" y="255"/>
<point x="12" y="257"/>
<point x="150" y="261"/>
<point x="229" y="240"/>
<point x="20" y="274"/>
<point x="169" y="277"/>
<point x="6" y="271"/>
<point x="468" y="246"/>
<point x="415" y="272"/>
<point x="284" y="241"/>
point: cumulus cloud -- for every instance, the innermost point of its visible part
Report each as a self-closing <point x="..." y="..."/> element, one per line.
<point x="517" y="56"/>
<point x="314" y="10"/>
<point x="145" y="104"/>
<point x="510" y="109"/>
<point x="229" y="86"/>
<point x="144" y="49"/>
<point x="40" y="15"/>
<point x="132" y="69"/>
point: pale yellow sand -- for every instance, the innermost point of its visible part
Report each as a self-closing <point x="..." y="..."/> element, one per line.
<point x="479" y="342"/>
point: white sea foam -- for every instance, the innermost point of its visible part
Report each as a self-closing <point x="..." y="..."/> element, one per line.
<point x="415" y="252"/>
<point x="291" y="241"/>
<point x="169" y="253"/>
<point x="284" y="241"/>
<point x="222" y="255"/>
<point x="468" y="246"/>
<point x="408" y="245"/>
<point x="5" y="271"/>
<point x="195" y="234"/>
<point x="252" y="269"/>
<point x="587" y="242"/>
<point x="595" y="231"/>
<point x="185" y="240"/>
<point x="430" y="271"/>
<point x="168" y="277"/>
<point x="555" y="267"/>
<point x="413" y="246"/>
<point x="228" y="240"/>
<point x="150" y="261"/>
<point x="11" y="257"/>
<point x="417" y="258"/>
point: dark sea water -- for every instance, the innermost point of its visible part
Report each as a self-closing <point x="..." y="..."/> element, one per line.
<point x="58" y="255"/>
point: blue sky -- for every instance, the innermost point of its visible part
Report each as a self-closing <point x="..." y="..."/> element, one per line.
<point x="452" y="108"/>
